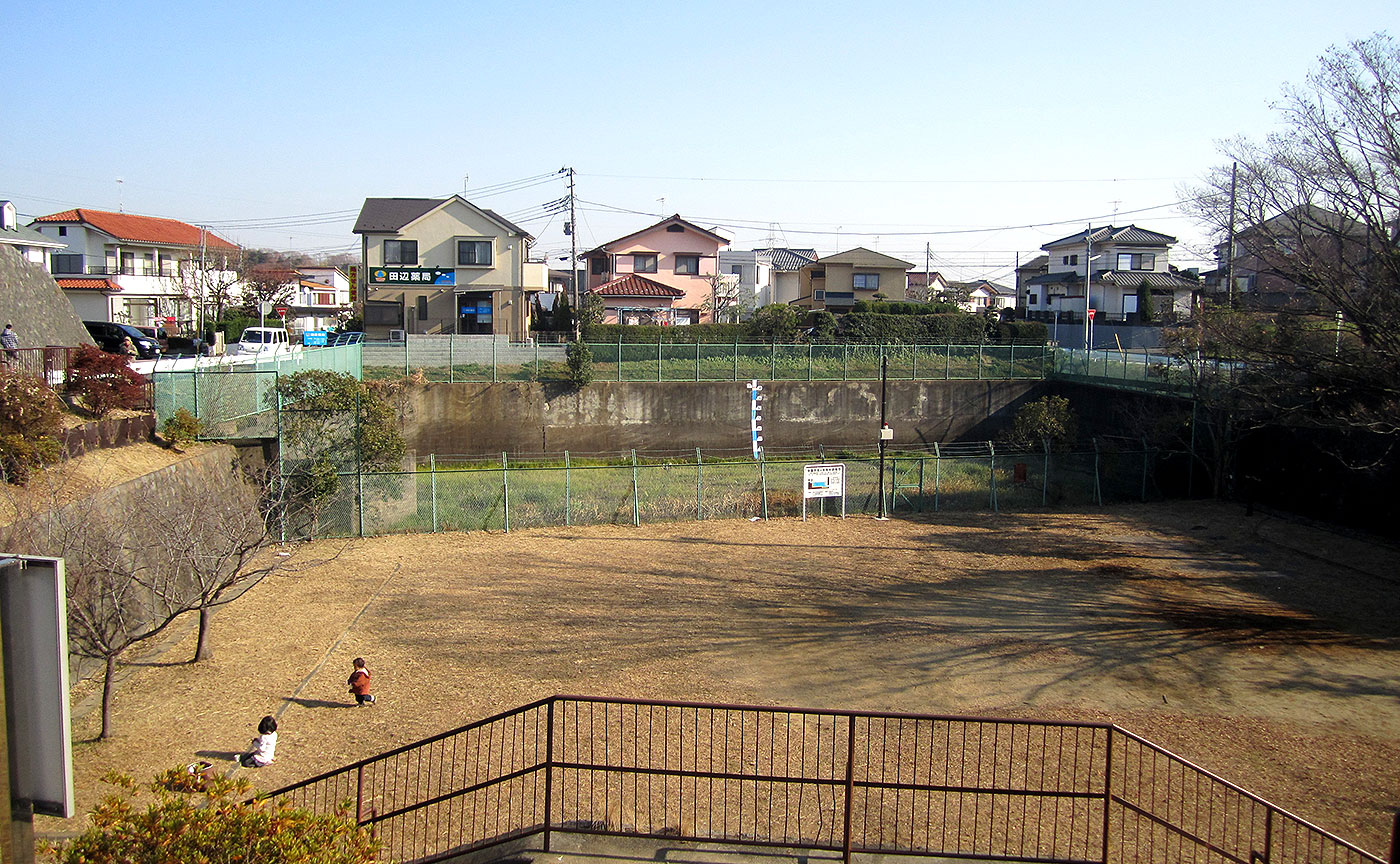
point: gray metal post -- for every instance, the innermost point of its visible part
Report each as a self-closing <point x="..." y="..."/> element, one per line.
<point x="505" y="491"/>
<point x="432" y="483"/>
<point x="699" y="486"/>
<point x="763" y="481"/>
<point x="566" y="487"/>
<point x="636" y="509"/>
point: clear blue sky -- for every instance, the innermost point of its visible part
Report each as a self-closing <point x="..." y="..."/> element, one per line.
<point x="887" y="125"/>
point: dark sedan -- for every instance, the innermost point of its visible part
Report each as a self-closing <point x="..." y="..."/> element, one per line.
<point x="111" y="336"/>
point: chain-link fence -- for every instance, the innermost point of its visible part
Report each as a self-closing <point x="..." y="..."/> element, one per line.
<point x="1138" y="369"/>
<point x="469" y="495"/>
<point x="235" y="398"/>
<point x="467" y="358"/>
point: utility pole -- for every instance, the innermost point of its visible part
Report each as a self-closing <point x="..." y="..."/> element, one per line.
<point x="1230" y="240"/>
<point x="573" y="257"/>
<point x="884" y="372"/>
<point x="928" y="271"/>
<point x="1088" y="276"/>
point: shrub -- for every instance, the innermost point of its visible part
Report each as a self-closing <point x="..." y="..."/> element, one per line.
<point x="104" y="382"/>
<point x="30" y="420"/>
<point x="204" y="817"/>
<point x="580" y="361"/>
<point x="181" y="428"/>
<point x="823" y="325"/>
<point x="1049" y="419"/>
<point x="774" y="323"/>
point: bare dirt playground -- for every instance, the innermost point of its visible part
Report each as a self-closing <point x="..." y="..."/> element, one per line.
<point x="1261" y="649"/>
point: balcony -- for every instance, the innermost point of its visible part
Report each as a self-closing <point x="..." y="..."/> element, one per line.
<point x="167" y="269"/>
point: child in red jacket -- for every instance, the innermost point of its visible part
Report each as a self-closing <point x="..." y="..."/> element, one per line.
<point x="359" y="683"/>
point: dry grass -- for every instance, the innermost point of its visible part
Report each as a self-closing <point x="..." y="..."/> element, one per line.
<point x="1260" y="649"/>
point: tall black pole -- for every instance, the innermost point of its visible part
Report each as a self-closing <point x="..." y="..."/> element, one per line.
<point x="884" y="369"/>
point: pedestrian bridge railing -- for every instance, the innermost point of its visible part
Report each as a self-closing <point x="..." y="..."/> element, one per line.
<point x="843" y="781"/>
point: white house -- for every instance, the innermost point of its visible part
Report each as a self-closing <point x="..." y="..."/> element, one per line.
<point x="134" y="269"/>
<point x="1126" y="267"/>
<point x="30" y="244"/>
<point x="768" y="275"/>
<point x="322" y="298"/>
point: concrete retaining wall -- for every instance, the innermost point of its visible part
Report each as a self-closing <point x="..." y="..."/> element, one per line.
<point x="607" y="416"/>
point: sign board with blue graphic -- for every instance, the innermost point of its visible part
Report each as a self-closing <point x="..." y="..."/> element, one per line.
<point x="412" y="276"/>
<point x="824" y="480"/>
<point x="314" y="338"/>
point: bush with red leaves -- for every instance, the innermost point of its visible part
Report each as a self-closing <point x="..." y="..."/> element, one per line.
<point x="104" y="382"/>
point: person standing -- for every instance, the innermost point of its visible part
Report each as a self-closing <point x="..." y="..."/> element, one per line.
<point x="9" y="340"/>
<point x="359" y="683"/>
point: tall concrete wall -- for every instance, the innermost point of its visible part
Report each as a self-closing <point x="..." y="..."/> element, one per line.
<point x="609" y="416"/>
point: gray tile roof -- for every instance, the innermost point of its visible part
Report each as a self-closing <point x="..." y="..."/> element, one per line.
<point x="790" y="259"/>
<point x="1134" y="278"/>
<point x="389" y="215"/>
<point x="1128" y="234"/>
<point x="22" y="236"/>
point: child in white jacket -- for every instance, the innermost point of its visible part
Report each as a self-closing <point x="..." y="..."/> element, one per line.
<point x="264" y="746"/>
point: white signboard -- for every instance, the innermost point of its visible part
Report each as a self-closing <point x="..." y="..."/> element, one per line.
<point x="33" y="605"/>
<point x="824" y="480"/>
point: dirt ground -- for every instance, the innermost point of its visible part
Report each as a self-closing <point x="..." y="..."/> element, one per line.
<point x="1262" y="649"/>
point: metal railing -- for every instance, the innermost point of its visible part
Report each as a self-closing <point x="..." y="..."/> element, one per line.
<point x="845" y="781"/>
<point x="452" y="359"/>
<point x="1139" y="369"/>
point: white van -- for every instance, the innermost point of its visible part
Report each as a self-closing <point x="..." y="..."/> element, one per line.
<point x="263" y="340"/>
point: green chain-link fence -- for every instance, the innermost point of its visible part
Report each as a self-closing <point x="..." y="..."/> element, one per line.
<point x="441" y="496"/>
<point x="464" y="358"/>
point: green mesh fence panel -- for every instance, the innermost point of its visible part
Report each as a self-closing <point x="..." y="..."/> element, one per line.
<point x="600" y="495"/>
<point x="730" y="490"/>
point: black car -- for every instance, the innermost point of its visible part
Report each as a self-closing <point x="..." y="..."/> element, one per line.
<point x="111" y="336"/>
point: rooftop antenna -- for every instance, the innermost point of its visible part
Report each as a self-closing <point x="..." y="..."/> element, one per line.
<point x="465" y="178"/>
<point x="119" y="196"/>
<point x="663" y="202"/>
<point x="1115" y="204"/>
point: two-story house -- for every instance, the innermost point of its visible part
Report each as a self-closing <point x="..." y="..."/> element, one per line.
<point x="836" y="282"/>
<point x="1278" y="260"/>
<point x="1130" y="278"/>
<point x="444" y="266"/>
<point x="663" y="274"/>
<point x="768" y="275"/>
<point x="134" y="269"/>
<point x="981" y="295"/>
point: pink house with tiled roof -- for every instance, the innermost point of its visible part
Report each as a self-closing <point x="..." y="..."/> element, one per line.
<point x="142" y="270"/>
<point x="662" y="274"/>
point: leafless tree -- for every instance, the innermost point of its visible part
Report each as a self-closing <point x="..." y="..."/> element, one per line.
<point x="1316" y="208"/>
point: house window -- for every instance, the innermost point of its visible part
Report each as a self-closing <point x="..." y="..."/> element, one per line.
<point x="819" y="295"/>
<point x="63" y="230"/>
<point x="422" y="308"/>
<point x="1137" y="261"/>
<point x="67" y="263"/>
<point x="598" y="266"/>
<point x="1070" y="260"/>
<point x="866" y="281"/>
<point x="819" y="273"/>
<point x="736" y="269"/>
<point x="644" y="263"/>
<point x="401" y="252"/>
<point x="474" y="253"/>
<point x="687" y="265"/>
<point x="674" y="228"/>
<point x="1032" y="300"/>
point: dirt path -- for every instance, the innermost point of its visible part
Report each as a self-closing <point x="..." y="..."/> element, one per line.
<point x="1263" y="650"/>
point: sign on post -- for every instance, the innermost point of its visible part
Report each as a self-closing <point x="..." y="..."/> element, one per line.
<point x="33" y="618"/>
<point x="824" y="480"/>
<point x="314" y="338"/>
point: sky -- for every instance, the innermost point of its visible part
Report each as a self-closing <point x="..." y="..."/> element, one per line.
<point x="957" y="134"/>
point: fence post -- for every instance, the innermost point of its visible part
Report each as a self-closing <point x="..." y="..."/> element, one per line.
<point x="636" y="510"/>
<point x="451" y="372"/>
<point x="359" y="795"/>
<point x="619" y="357"/>
<point x="405" y="353"/>
<point x="699" y="486"/>
<point x="1098" y="488"/>
<point x="937" y="473"/>
<point x="914" y="362"/>
<point x="1045" y="474"/>
<point x="549" y="771"/>
<point x="773" y="362"/>
<point x="948" y="361"/>
<point x="809" y="361"/>
<point x="992" y="474"/>
<point x="697" y="360"/>
<point x="850" y="788"/>
<point x="493" y="360"/>
<point x="537" y="359"/>
<point x="736" y="359"/>
<point x="1107" y="790"/>
<point x="505" y="491"/>
<point x="566" y="488"/>
<point x="432" y="483"/>
<point x="658" y="357"/>
<point x="1144" y="468"/>
<point x="359" y="465"/>
<point x="763" y="482"/>
<point x="979" y="361"/>
<point x="1012" y="360"/>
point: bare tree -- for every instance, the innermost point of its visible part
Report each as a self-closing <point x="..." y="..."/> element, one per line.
<point x="1316" y="208"/>
<point x="218" y="542"/>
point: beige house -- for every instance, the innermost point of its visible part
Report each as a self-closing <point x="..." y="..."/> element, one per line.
<point x="444" y="266"/>
<point x="836" y="282"/>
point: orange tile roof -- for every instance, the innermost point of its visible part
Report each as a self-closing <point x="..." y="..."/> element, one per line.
<point x="89" y="284"/>
<point x="633" y="285"/>
<point x="141" y="229"/>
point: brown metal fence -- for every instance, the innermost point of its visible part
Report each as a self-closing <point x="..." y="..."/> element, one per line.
<point x="853" y="782"/>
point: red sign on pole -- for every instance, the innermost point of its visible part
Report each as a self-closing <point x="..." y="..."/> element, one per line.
<point x="1091" y="314"/>
<point x="282" y="312"/>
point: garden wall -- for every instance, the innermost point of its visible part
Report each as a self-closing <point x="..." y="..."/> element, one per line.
<point x="522" y="417"/>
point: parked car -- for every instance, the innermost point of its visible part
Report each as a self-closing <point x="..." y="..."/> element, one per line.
<point x="111" y="336"/>
<point x="262" y="340"/>
<point x="156" y="333"/>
